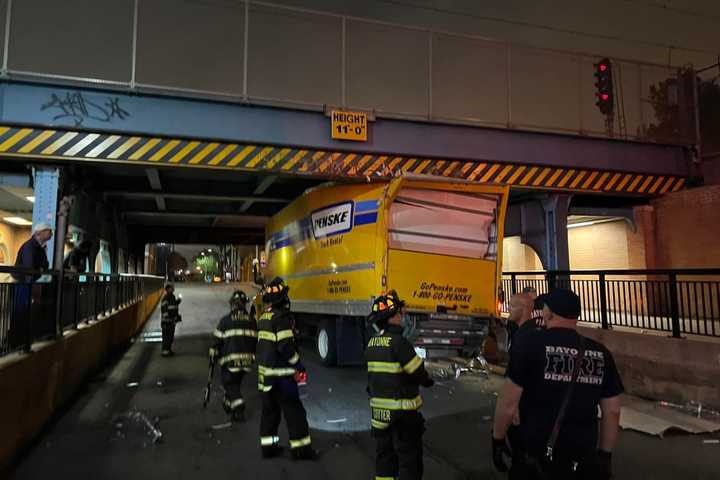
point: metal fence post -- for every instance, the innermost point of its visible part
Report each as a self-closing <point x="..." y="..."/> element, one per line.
<point x="551" y="278"/>
<point x="59" y="303"/>
<point x="674" y="306"/>
<point x="603" y="303"/>
<point x="513" y="284"/>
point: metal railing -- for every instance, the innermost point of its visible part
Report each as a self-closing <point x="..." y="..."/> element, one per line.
<point x="680" y="302"/>
<point x="42" y="305"/>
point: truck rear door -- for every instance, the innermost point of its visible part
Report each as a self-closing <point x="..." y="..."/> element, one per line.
<point x="443" y="247"/>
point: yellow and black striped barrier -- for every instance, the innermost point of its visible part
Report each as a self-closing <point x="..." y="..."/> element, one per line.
<point x="39" y="143"/>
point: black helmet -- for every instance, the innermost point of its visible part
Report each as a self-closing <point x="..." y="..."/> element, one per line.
<point x="169" y="286"/>
<point x="275" y="292"/>
<point x="238" y="300"/>
<point x="385" y="307"/>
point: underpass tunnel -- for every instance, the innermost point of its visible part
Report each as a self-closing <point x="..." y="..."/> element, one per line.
<point x="134" y="216"/>
<point x="546" y="231"/>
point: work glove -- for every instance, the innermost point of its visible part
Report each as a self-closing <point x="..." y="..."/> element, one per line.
<point x="500" y="451"/>
<point x="604" y="465"/>
<point x="429" y="382"/>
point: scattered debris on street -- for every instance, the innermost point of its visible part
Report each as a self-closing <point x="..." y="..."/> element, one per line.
<point x="222" y="426"/>
<point x="656" y="418"/>
<point x="139" y="418"/>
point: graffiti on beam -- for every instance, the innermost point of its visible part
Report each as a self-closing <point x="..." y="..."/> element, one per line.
<point x="78" y="108"/>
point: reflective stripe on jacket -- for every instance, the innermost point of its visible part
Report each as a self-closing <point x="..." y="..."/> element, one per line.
<point x="277" y="353"/>
<point x="235" y="341"/>
<point x="395" y="373"/>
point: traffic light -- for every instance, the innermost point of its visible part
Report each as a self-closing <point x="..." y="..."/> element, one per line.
<point x="604" y="86"/>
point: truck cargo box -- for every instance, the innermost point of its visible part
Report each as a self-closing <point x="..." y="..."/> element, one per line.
<point x="436" y="242"/>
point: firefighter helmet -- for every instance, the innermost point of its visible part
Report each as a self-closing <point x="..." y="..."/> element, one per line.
<point x="238" y="300"/>
<point x="385" y="307"/>
<point x="275" y="292"/>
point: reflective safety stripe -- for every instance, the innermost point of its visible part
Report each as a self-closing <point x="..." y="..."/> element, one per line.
<point x="397" y="403"/>
<point x="241" y="357"/>
<point x="234" y="403"/>
<point x="275" y="372"/>
<point x="238" y="369"/>
<point x="294" y="359"/>
<point x="264" y="388"/>
<point x="217" y="333"/>
<point x="379" y="425"/>
<point x="385" y="478"/>
<point x="266" y="316"/>
<point x="384" y="367"/>
<point x="265" y="335"/>
<point x="212" y="352"/>
<point x="172" y="307"/>
<point x="269" y="441"/>
<point x="300" y="443"/>
<point x="413" y="365"/>
<point x="239" y="332"/>
<point x="283" y="334"/>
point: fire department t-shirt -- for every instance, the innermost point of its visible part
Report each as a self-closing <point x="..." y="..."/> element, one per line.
<point x="542" y="363"/>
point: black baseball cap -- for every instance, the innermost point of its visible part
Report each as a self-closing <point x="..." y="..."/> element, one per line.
<point x="560" y="301"/>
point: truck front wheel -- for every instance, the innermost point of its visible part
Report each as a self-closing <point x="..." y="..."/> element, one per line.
<point x="326" y="343"/>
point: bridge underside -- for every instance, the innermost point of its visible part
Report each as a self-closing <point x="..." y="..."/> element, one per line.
<point x="188" y="171"/>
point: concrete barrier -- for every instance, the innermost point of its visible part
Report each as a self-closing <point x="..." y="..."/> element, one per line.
<point x="33" y="386"/>
<point x="657" y="367"/>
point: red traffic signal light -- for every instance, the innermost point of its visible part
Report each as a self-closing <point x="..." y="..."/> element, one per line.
<point x="604" y="85"/>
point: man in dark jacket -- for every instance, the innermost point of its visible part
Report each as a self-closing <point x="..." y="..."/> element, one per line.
<point x="395" y="372"/>
<point x="278" y="363"/>
<point x="553" y="370"/>
<point x="169" y="309"/>
<point x="234" y="351"/>
<point x="76" y="260"/>
<point x="32" y="255"/>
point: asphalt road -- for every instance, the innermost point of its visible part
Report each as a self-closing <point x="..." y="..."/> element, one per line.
<point x="99" y="435"/>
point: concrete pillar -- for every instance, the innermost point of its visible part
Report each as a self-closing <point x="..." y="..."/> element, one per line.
<point x="557" y="253"/>
<point x="47" y="186"/>
<point x="542" y="225"/>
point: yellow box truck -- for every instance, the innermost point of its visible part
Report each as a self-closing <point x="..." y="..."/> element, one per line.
<point x="438" y="243"/>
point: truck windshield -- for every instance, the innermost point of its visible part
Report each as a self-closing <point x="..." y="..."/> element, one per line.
<point x="444" y="223"/>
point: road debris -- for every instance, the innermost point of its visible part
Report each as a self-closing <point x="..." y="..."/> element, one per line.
<point x="141" y="419"/>
<point x="476" y="366"/>
<point x="696" y="409"/>
<point x="221" y="426"/>
<point x="337" y="420"/>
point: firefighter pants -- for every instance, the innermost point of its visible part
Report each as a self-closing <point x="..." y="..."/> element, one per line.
<point x="232" y="383"/>
<point x="168" y="336"/>
<point x="399" y="449"/>
<point x="284" y="399"/>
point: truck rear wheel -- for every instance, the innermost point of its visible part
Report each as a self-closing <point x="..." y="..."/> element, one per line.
<point x="326" y="343"/>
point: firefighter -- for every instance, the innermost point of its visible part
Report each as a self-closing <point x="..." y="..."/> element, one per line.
<point x="234" y="351"/>
<point x="169" y="308"/>
<point x="278" y="363"/>
<point x="395" y="372"/>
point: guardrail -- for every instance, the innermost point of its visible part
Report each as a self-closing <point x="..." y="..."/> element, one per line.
<point x="676" y="301"/>
<point x="38" y="305"/>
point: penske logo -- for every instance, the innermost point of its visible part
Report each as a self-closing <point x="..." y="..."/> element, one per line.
<point x="332" y="220"/>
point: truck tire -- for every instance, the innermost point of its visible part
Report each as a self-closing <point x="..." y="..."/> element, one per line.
<point x="326" y="343"/>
